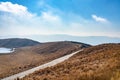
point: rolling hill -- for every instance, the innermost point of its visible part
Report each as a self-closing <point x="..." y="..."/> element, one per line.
<point x="101" y="62"/>
<point x="28" y="57"/>
<point x="17" y="42"/>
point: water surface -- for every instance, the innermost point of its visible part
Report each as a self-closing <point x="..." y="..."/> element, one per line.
<point x="6" y="50"/>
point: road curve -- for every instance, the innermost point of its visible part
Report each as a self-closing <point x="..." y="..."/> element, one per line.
<point x="49" y="64"/>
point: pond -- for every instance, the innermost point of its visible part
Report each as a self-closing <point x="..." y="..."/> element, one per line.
<point x="6" y="50"/>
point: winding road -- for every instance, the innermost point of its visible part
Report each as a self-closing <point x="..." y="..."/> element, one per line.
<point x="49" y="64"/>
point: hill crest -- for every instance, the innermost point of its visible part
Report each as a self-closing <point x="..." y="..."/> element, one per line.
<point x="17" y="42"/>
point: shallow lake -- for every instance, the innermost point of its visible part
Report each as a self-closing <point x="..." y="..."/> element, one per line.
<point x="6" y="50"/>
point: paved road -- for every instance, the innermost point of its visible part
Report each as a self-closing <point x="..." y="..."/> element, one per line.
<point x="52" y="63"/>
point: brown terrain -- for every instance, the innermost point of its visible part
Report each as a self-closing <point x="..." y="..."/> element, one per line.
<point x="101" y="62"/>
<point x="25" y="58"/>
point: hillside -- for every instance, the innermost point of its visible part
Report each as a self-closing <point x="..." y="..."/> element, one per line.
<point x="101" y="62"/>
<point x="28" y="57"/>
<point x="17" y="42"/>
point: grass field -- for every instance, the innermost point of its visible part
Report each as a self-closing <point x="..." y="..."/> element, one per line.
<point x="100" y="62"/>
<point x="29" y="57"/>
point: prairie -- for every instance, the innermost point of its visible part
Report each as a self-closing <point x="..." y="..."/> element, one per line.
<point x="25" y="58"/>
<point x="101" y="62"/>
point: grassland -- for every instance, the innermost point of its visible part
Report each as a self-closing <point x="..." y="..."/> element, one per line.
<point x="101" y="62"/>
<point x="29" y="57"/>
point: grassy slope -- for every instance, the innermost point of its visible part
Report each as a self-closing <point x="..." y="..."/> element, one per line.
<point x="100" y="62"/>
<point x="29" y="57"/>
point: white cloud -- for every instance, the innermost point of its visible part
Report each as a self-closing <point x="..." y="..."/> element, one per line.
<point x="14" y="8"/>
<point x="99" y="19"/>
<point x="48" y="16"/>
<point x="17" y="20"/>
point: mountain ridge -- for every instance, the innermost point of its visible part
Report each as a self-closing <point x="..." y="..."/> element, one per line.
<point x="17" y="42"/>
<point x="93" y="40"/>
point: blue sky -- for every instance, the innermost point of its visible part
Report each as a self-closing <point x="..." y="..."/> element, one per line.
<point x="70" y="17"/>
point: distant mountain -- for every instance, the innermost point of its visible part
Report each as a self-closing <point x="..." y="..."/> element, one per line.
<point x="101" y="62"/>
<point x="17" y="42"/>
<point x="93" y="40"/>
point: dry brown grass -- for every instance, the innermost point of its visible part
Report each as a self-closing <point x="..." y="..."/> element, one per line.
<point x="100" y="62"/>
<point x="29" y="57"/>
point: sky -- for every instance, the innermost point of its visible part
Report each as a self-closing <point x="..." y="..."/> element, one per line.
<point x="69" y="17"/>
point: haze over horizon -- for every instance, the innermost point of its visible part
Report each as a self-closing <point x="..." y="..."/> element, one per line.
<point x="65" y="17"/>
